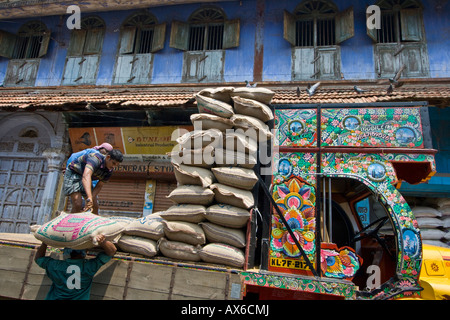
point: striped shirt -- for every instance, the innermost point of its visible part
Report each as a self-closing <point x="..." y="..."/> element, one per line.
<point x="94" y="161"/>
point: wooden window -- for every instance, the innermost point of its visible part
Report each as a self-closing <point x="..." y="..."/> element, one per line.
<point x="140" y="36"/>
<point x="315" y="30"/>
<point x="400" y="40"/>
<point x="204" y="39"/>
<point x="24" y="50"/>
<point x="83" y="53"/>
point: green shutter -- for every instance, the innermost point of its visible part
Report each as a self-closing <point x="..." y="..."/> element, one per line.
<point x="159" y="35"/>
<point x="289" y="27"/>
<point x="44" y="44"/>
<point x="231" y="33"/>
<point x="127" y="38"/>
<point x="372" y="33"/>
<point x="410" y="20"/>
<point x="179" y="35"/>
<point x="345" y="25"/>
<point x="94" y="41"/>
<point x="7" y="43"/>
<point x="76" y="44"/>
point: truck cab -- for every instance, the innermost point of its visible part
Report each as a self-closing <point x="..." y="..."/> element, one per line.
<point x="334" y="186"/>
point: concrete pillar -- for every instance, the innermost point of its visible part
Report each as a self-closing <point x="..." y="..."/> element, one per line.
<point x="55" y="158"/>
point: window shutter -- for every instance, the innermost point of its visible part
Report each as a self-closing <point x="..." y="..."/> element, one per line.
<point x="94" y="41"/>
<point x="372" y="33"/>
<point x="345" y="25"/>
<point x="76" y="44"/>
<point x="44" y="44"/>
<point x="179" y="35"/>
<point x="231" y="33"/>
<point x="7" y="43"/>
<point x="127" y="37"/>
<point x="289" y="27"/>
<point x="159" y="35"/>
<point x="411" y="24"/>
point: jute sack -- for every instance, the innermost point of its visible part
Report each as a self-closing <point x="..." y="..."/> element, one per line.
<point x="247" y="122"/>
<point x="421" y="212"/>
<point x="192" y="194"/>
<point x="426" y="222"/>
<point x="222" y="254"/>
<point x="232" y="196"/>
<point x="202" y="157"/>
<point x="186" y="232"/>
<point x="252" y="108"/>
<point x="197" y="139"/>
<point x="216" y="233"/>
<point x="259" y="94"/>
<point x="205" y="121"/>
<point x="227" y="158"/>
<point x="76" y="230"/>
<point x="432" y="234"/>
<point x="220" y="93"/>
<point x="193" y="175"/>
<point x="139" y="245"/>
<point x="149" y="227"/>
<point x="213" y="106"/>
<point x="227" y="215"/>
<point x="240" y="142"/>
<point x="123" y="220"/>
<point x="179" y="250"/>
<point x="194" y="213"/>
<point x="241" y="178"/>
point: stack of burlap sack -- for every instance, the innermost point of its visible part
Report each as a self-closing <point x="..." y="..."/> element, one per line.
<point x="434" y="222"/>
<point x="214" y="171"/>
<point x="213" y="198"/>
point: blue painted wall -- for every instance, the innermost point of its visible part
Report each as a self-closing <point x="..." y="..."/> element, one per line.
<point x="356" y="53"/>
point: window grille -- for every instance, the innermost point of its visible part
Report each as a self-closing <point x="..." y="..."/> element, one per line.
<point x="143" y="38"/>
<point x="315" y="25"/>
<point x="206" y="30"/>
<point x="29" y="40"/>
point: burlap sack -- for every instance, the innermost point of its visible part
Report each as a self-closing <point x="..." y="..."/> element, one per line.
<point x="227" y="215"/>
<point x="240" y="178"/>
<point x="220" y="234"/>
<point x="421" y="212"/>
<point x="259" y="94"/>
<point x="205" y="121"/>
<point x="252" y="108"/>
<point x="149" y="227"/>
<point x="213" y="106"/>
<point x="220" y="93"/>
<point x="222" y="254"/>
<point x="203" y="157"/>
<point x="185" y="212"/>
<point x="192" y="175"/>
<point x="223" y="157"/>
<point x="186" y="232"/>
<point x="76" y="230"/>
<point x="179" y="250"/>
<point x="250" y="123"/>
<point x="138" y="245"/>
<point x="232" y="196"/>
<point x="197" y="139"/>
<point x="191" y="194"/>
<point x="238" y="141"/>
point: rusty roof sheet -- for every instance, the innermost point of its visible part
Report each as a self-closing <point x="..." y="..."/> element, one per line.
<point x="123" y="98"/>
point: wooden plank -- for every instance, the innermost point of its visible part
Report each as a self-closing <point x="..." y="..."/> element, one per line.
<point x="148" y="281"/>
<point x="11" y="283"/>
<point x="199" y="284"/>
<point x="109" y="282"/>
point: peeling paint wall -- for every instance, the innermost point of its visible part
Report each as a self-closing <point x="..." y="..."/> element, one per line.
<point x="262" y="48"/>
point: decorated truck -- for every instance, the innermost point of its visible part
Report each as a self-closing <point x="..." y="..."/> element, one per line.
<point x="326" y="220"/>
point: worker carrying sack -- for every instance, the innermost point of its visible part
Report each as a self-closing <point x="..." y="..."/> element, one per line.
<point x="77" y="230"/>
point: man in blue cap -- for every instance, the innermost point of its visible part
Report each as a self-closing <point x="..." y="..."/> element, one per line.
<point x="72" y="277"/>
